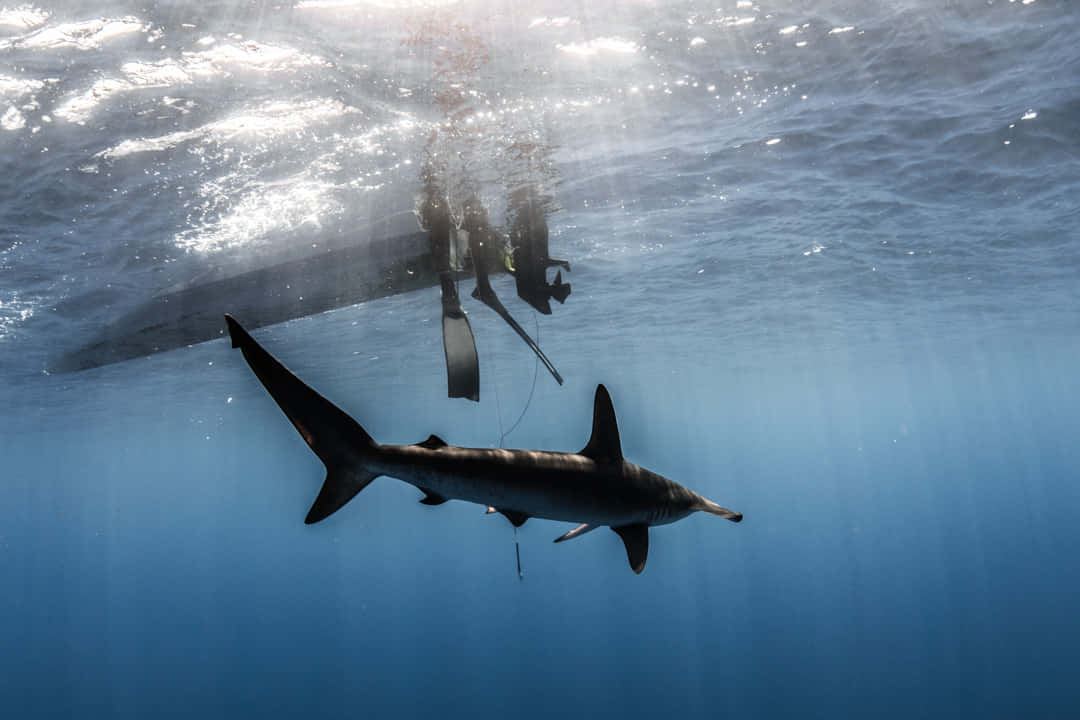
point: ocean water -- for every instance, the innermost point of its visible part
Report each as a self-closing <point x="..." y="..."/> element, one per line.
<point x="825" y="258"/>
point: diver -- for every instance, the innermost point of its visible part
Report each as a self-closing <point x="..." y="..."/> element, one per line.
<point x="478" y="244"/>
<point x="529" y="237"/>
<point x="483" y="241"/>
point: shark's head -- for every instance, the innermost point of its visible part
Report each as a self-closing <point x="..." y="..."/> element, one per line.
<point x="679" y="502"/>
<point x="666" y="500"/>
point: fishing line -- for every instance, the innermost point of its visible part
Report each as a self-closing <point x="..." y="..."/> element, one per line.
<point x="517" y="552"/>
<point x="502" y="434"/>
<point x="532" y="390"/>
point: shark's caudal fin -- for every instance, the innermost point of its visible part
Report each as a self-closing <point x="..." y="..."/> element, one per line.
<point x="338" y="489"/>
<point x="604" y="445"/>
<point x="336" y="438"/>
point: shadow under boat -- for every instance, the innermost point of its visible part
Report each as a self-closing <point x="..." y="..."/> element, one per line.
<point x="440" y="255"/>
<point x="192" y="313"/>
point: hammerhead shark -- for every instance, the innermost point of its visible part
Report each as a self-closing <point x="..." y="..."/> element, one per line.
<point x="594" y="487"/>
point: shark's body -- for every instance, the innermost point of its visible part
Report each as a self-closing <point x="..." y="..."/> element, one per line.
<point x="595" y="487"/>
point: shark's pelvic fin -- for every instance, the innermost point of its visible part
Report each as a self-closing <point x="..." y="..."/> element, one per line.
<point x="604" y="445"/>
<point x="434" y="442"/>
<point x="334" y="436"/>
<point x="431" y="498"/>
<point x="576" y="532"/>
<point x="636" y="539"/>
<point x="517" y="519"/>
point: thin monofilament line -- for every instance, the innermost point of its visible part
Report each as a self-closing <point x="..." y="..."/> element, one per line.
<point x="536" y="372"/>
<point x="502" y="435"/>
<point x="517" y="553"/>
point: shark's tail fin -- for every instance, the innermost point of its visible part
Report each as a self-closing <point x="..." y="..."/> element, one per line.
<point x="713" y="509"/>
<point x="336" y="438"/>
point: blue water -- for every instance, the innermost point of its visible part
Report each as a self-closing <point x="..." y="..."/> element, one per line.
<point x="825" y="258"/>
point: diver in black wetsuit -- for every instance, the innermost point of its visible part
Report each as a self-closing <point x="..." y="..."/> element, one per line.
<point x="479" y="242"/>
<point x="483" y="240"/>
<point x="529" y="237"/>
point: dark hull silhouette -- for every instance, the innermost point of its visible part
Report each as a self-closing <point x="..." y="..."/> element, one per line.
<point x="439" y="255"/>
<point x="274" y="294"/>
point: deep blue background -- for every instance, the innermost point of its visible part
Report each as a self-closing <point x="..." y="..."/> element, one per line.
<point x="908" y="548"/>
<point x="864" y="337"/>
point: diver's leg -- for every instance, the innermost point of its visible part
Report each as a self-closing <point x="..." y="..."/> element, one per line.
<point x="486" y="294"/>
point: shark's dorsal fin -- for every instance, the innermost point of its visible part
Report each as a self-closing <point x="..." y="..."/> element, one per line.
<point x="604" y="445"/>
<point x="434" y="442"/>
<point x="431" y="498"/>
<point x="636" y="539"/>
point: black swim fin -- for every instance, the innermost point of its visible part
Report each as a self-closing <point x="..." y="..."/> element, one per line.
<point x="462" y="364"/>
<point x="486" y="294"/>
<point x="560" y="290"/>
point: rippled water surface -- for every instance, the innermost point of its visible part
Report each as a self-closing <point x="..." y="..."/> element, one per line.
<point x="824" y="255"/>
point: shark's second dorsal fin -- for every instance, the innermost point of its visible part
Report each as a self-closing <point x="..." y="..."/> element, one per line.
<point x="604" y="445"/>
<point x="434" y="442"/>
<point x="431" y="498"/>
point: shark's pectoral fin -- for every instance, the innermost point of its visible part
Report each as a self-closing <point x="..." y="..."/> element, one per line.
<point x="636" y="539"/>
<point x="577" y="532"/>
<point x="339" y="488"/>
<point x="431" y="498"/>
